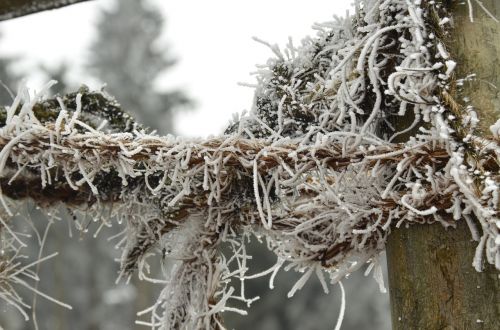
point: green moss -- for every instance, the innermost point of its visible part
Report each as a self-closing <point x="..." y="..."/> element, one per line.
<point x="96" y="106"/>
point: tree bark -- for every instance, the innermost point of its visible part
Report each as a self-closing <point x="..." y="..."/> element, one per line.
<point x="432" y="282"/>
<point x="15" y="8"/>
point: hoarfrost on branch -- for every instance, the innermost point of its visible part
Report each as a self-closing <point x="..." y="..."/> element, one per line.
<point x="316" y="168"/>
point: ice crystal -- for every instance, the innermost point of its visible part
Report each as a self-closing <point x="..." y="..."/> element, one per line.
<point x="320" y="167"/>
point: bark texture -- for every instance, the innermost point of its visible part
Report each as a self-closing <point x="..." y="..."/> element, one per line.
<point x="432" y="282"/>
<point x="15" y="8"/>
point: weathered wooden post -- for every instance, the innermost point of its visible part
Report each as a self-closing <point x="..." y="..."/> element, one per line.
<point x="432" y="282"/>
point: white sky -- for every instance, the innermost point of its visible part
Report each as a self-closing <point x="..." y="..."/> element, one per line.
<point x="212" y="40"/>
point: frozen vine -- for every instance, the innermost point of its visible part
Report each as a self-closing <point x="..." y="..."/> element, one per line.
<point x="319" y="167"/>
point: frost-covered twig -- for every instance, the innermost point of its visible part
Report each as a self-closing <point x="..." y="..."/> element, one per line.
<point x="311" y="167"/>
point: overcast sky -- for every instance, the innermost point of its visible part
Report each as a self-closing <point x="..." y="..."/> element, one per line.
<point x="212" y="40"/>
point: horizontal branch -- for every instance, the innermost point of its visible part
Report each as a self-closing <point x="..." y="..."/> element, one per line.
<point x="15" y="8"/>
<point x="83" y="150"/>
<point x="102" y="155"/>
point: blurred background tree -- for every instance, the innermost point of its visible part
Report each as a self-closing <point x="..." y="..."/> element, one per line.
<point x="59" y="73"/>
<point x="7" y="79"/>
<point x="129" y="59"/>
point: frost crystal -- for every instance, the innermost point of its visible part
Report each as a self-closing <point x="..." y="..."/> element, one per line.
<point x="320" y="167"/>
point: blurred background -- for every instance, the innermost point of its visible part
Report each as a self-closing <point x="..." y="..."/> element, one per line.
<point x="175" y="65"/>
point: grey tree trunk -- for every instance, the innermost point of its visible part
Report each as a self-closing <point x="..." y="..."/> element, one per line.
<point x="432" y="282"/>
<point x="16" y="8"/>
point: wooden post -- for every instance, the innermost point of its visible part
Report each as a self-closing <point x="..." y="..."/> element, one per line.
<point x="432" y="282"/>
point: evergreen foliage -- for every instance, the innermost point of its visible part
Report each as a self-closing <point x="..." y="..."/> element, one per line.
<point x="128" y="58"/>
